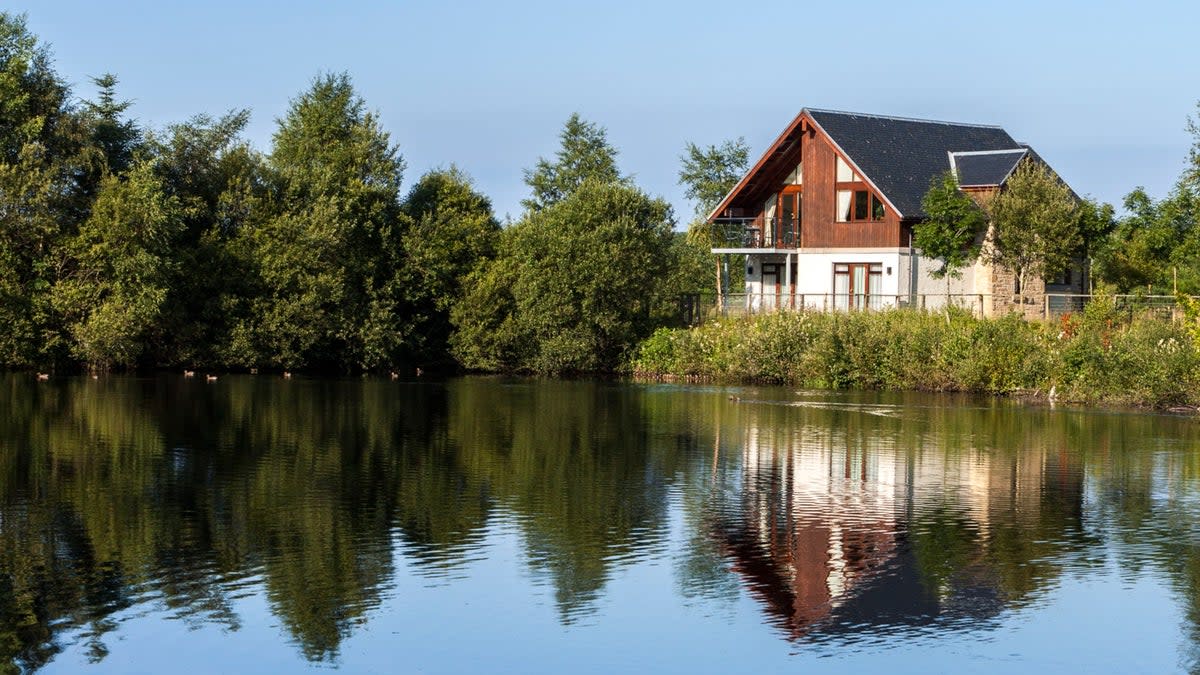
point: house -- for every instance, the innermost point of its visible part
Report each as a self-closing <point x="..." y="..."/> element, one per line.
<point x="825" y="218"/>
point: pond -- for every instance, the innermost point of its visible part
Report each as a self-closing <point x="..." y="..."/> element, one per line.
<point x="255" y="523"/>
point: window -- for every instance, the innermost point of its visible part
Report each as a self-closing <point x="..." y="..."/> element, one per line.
<point x="855" y="202"/>
<point x="857" y="285"/>
<point x="858" y="205"/>
<point x="844" y="173"/>
<point x="796" y="177"/>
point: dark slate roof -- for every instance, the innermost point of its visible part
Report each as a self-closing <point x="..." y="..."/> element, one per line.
<point x="901" y="156"/>
<point x="986" y="168"/>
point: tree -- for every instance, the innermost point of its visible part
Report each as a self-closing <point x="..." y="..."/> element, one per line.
<point x="1191" y="175"/>
<point x="708" y="174"/>
<point x="220" y="184"/>
<point x="116" y="138"/>
<point x="1152" y="244"/>
<point x="1034" y="224"/>
<point x="951" y="229"/>
<point x="453" y="230"/>
<point x="330" y="237"/>
<point x="120" y="268"/>
<point x="575" y="285"/>
<point x="584" y="154"/>
<point x="1155" y="246"/>
<point x="41" y="145"/>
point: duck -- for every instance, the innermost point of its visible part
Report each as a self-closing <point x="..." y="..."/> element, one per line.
<point x="395" y="375"/>
<point x="210" y="378"/>
<point x="43" y="376"/>
<point x="420" y="372"/>
<point x="735" y="399"/>
<point x="254" y="371"/>
<point x="287" y="375"/>
<point x="189" y="373"/>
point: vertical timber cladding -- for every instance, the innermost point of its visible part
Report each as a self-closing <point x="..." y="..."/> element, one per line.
<point x="820" y="227"/>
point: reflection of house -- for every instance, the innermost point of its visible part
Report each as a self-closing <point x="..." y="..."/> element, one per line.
<point x="824" y="219"/>
<point x="832" y="530"/>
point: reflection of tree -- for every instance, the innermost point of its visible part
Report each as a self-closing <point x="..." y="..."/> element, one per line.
<point x="574" y="460"/>
<point x="841" y="515"/>
<point x="120" y="490"/>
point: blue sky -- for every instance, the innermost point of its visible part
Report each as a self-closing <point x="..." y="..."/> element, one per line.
<point x="1101" y="90"/>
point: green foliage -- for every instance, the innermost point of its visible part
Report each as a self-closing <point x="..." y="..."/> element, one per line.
<point x="584" y="154"/>
<point x="120" y="266"/>
<point x="329" y="242"/>
<point x="42" y="152"/>
<point x="1155" y="247"/>
<point x="220" y="184"/>
<point x="952" y="227"/>
<point x="116" y="138"/>
<point x="1105" y="356"/>
<point x="453" y="231"/>
<point x="1034" y="224"/>
<point x="576" y="284"/>
<point x="708" y="174"/>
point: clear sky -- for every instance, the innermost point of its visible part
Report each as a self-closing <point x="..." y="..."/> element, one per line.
<point x="1102" y="90"/>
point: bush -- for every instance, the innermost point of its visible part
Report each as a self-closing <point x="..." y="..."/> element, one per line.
<point x="1103" y="356"/>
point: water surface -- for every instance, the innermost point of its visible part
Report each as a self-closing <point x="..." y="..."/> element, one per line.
<point x="484" y="524"/>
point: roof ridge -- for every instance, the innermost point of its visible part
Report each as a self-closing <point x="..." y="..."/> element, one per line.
<point x="965" y="153"/>
<point x="903" y="119"/>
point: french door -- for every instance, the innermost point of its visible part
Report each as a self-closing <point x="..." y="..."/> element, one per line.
<point x="857" y="285"/>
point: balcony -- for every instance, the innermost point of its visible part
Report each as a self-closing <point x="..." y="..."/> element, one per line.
<point x="756" y="233"/>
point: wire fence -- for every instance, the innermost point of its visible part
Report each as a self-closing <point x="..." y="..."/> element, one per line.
<point x="697" y="308"/>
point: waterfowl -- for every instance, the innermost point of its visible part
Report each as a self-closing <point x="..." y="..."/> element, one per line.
<point x="287" y="375"/>
<point x="189" y="373"/>
<point x="395" y="375"/>
<point x="43" y="376"/>
<point x="210" y="378"/>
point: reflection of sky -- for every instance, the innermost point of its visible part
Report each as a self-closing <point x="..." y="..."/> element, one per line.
<point x="491" y="618"/>
<point x="1115" y="526"/>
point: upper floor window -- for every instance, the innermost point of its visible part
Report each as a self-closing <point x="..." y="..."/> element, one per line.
<point x="796" y="177"/>
<point x="855" y="202"/>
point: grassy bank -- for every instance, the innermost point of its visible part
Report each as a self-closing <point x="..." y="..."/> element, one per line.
<point x="1099" y="356"/>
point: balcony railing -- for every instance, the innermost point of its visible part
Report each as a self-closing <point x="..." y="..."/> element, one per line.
<point x="758" y="232"/>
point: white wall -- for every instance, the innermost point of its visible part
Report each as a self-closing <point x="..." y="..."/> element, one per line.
<point x="910" y="276"/>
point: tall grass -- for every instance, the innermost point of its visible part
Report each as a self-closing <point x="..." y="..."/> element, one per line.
<point x="1101" y="355"/>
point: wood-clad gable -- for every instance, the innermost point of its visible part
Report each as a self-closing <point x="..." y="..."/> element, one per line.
<point x="804" y="142"/>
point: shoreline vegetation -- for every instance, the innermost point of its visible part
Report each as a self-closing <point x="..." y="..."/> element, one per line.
<point x="129" y="247"/>
<point x="1102" y="356"/>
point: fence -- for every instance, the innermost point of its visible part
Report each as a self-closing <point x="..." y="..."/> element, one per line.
<point x="696" y="308"/>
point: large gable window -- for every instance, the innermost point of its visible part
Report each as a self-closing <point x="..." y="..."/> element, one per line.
<point x="796" y="177"/>
<point x="855" y="201"/>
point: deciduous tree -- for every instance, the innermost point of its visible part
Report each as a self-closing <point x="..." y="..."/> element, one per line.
<point x="708" y="174"/>
<point x="42" y="139"/>
<point x="119" y="269"/>
<point x="452" y="231"/>
<point x="1034" y="224"/>
<point x="952" y="227"/>
<point x="576" y="285"/>
<point x="327" y="247"/>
